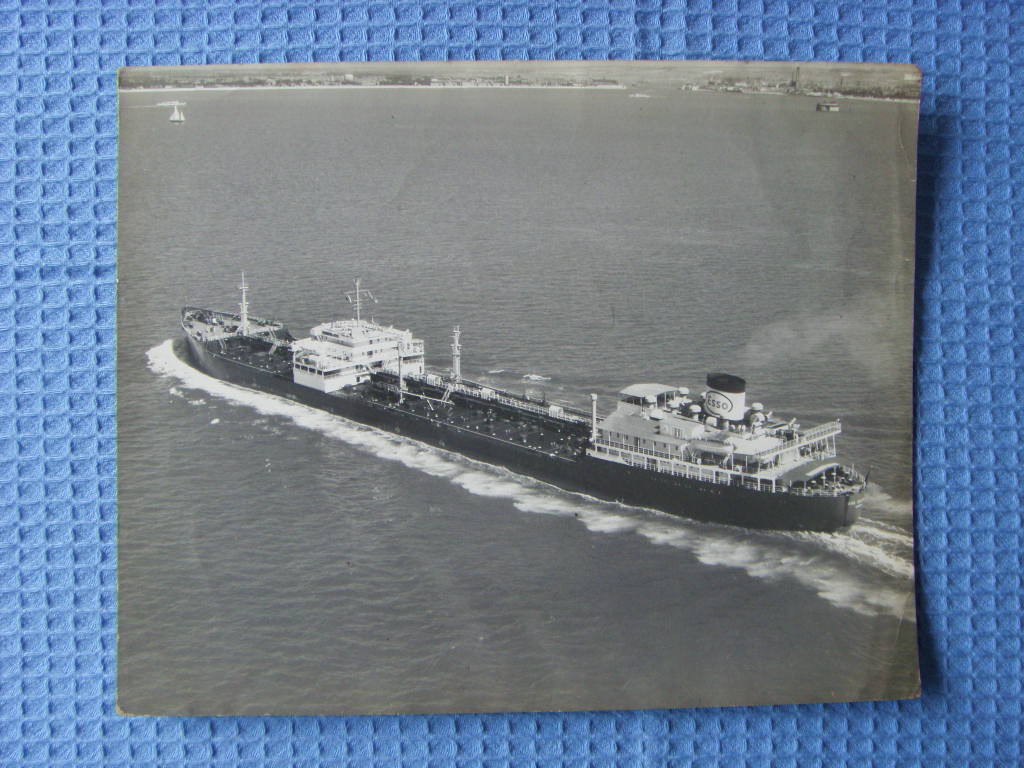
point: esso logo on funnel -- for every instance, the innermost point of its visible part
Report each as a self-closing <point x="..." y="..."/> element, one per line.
<point x="723" y="406"/>
<point x="718" y="404"/>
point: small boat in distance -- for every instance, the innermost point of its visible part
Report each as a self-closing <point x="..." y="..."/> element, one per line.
<point x="828" y="106"/>
<point x="177" y="116"/>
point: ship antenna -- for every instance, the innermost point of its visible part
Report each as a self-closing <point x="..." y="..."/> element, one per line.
<point x="244" y="306"/>
<point x="456" y="355"/>
<point x="356" y="297"/>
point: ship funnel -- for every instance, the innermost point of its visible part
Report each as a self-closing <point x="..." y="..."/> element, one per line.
<point x="726" y="396"/>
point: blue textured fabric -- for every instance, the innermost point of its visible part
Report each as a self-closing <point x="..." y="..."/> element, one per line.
<point x="57" y="430"/>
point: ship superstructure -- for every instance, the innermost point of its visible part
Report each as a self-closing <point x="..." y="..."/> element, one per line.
<point x="715" y="438"/>
<point x="344" y="353"/>
<point x="708" y="456"/>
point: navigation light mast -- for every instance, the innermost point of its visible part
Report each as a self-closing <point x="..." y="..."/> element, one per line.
<point x="401" y="379"/>
<point x="456" y="355"/>
<point x="244" y="306"/>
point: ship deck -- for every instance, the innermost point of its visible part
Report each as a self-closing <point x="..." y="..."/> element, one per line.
<point x="211" y="325"/>
<point x="517" y="428"/>
<point x="500" y="422"/>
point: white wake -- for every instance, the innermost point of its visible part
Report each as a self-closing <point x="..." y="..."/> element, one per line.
<point x="832" y="565"/>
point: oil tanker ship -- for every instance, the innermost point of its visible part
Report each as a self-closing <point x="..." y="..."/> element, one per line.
<point x="707" y="457"/>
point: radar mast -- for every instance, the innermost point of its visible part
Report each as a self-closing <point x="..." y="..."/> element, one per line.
<point x="356" y="298"/>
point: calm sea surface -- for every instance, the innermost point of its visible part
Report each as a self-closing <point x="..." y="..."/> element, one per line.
<point x="274" y="559"/>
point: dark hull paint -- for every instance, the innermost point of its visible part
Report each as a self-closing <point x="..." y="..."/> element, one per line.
<point x="680" y="496"/>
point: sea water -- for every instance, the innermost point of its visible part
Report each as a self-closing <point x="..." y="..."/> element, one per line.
<point x="274" y="558"/>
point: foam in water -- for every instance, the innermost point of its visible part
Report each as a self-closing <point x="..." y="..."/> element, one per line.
<point x="176" y="391"/>
<point x="831" y="565"/>
<point x="855" y="548"/>
<point x="877" y="499"/>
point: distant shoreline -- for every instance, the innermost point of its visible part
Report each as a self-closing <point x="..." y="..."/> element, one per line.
<point x="896" y="82"/>
<point x="354" y="86"/>
<point x="511" y="86"/>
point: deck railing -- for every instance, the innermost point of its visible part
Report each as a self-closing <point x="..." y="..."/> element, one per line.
<point x="711" y="474"/>
<point x="635" y="449"/>
<point x="813" y="435"/>
<point x="475" y="390"/>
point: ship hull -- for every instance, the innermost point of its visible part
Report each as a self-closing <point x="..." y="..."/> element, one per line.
<point x="685" y="497"/>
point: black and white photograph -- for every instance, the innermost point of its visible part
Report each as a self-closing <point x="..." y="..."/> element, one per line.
<point x="515" y="386"/>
